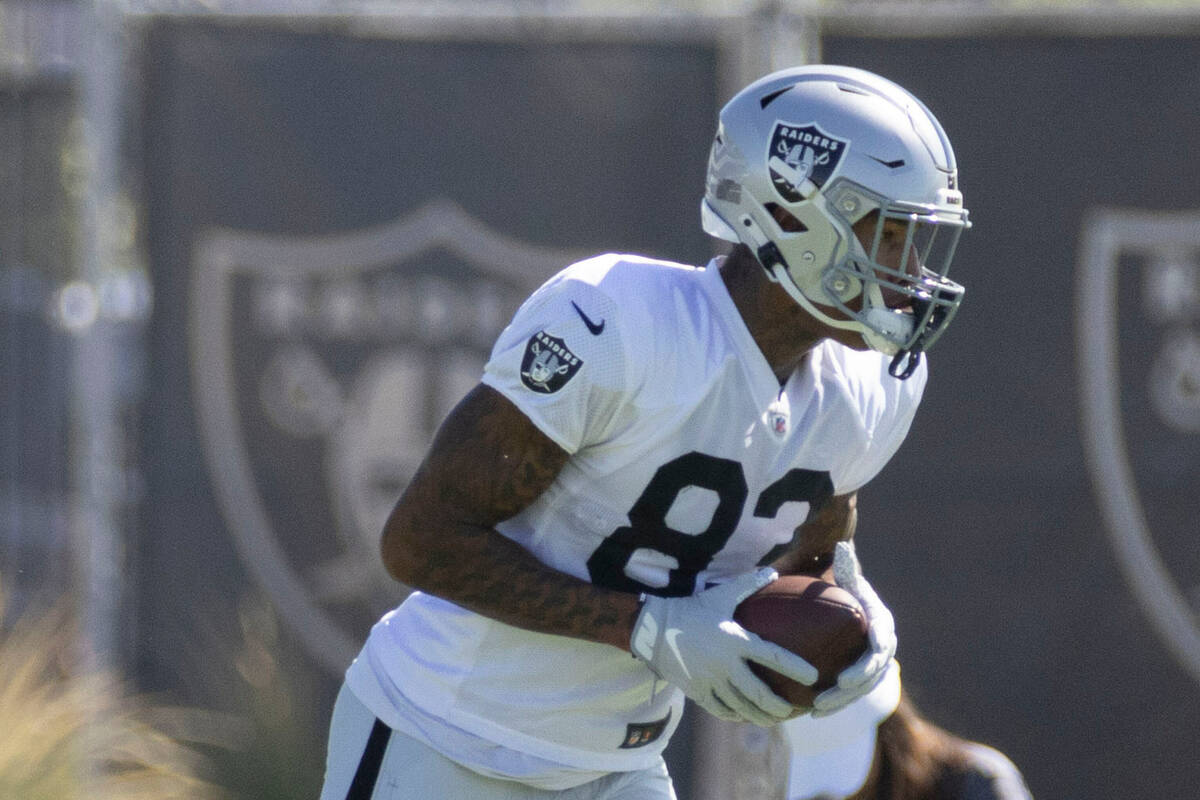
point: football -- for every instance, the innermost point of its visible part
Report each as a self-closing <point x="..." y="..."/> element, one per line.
<point x="820" y="622"/>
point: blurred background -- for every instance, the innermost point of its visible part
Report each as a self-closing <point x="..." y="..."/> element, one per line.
<point x="251" y="253"/>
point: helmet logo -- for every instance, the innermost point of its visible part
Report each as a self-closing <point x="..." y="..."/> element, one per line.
<point x="802" y="158"/>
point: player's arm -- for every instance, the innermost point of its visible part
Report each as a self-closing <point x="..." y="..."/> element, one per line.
<point x="487" y="463"/>
<point x="817" y="536"/>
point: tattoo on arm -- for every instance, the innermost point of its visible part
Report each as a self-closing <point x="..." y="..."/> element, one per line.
<point x="487" y="463"/>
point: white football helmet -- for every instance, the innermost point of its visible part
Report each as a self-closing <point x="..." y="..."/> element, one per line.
<point x="803" y="154"/>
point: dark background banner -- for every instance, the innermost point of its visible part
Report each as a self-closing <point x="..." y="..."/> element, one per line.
<point x="338" y="224"/>
<point x="1017" y="622"/>
<point x="338" y="227"/>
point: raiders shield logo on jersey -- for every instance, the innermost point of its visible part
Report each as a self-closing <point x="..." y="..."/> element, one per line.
<point x="802" y="158"/>
<point x="548" y="364"/>
<point x="1138" y="339"/>
<point x="321" y="366"/>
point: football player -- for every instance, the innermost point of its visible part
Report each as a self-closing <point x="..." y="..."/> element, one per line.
<point x="650" y="443"/>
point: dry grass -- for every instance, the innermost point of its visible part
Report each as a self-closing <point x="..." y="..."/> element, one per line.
<point x="65" y="735"/>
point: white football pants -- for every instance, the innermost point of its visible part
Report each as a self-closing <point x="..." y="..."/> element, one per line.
<point x="369" y="761"/>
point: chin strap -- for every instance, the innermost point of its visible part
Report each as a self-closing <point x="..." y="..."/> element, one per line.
<point x="914" y="360"/>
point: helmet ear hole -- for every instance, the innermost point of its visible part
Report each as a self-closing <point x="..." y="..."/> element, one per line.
<point x="785" y="219"/>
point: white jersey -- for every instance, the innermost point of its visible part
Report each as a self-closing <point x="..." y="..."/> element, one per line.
<point x="689" y="465"/>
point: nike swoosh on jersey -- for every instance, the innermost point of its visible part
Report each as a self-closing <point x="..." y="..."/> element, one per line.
<point x="596" y="328"/>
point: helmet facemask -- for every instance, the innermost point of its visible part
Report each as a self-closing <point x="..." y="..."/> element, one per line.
<point x="900" y="309"/>
<point x="903" y="307"/>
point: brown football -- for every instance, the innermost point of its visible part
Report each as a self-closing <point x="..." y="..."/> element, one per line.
<point x="818" y="621"/>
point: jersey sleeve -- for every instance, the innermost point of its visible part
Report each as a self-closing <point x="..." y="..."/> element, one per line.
<point x="562" y="362"/>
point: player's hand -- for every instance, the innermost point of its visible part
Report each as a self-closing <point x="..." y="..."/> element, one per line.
<point x="863" y="675"/>
<point x="694" y="643"/>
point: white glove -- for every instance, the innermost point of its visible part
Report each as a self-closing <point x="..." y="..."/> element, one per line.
<point x="861" y="676"/>
<point x="693" y="643"/>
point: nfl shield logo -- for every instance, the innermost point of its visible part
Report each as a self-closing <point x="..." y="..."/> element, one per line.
<point x="802" y="158"/>
<point x="321" y="367"/>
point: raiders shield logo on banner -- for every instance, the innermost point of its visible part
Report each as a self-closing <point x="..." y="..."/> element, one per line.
<point x="321" y="367"/>
<point x="802" y="158"/>
<point x="1138" y="350"/>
